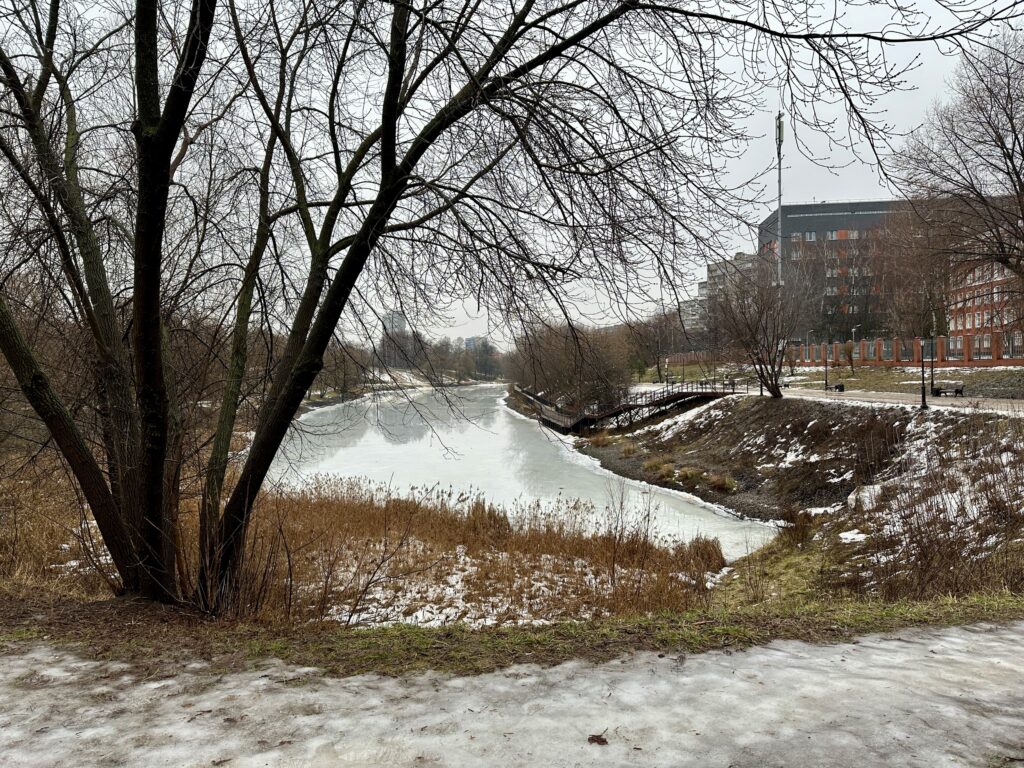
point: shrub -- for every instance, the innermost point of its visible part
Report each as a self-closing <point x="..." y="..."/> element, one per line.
<point x="721" y="483"/>
<point x="797" y="530"/>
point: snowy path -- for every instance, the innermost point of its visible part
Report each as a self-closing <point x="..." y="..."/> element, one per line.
<point x="931" y="698"/>
<point x="1012" y="407"/>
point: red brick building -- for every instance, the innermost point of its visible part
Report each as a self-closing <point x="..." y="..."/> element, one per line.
<point x="983" y="317"/>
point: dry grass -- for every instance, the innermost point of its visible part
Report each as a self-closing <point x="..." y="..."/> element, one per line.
<point x="948" y="521"/>
<point x="342" y="551"/>
<point x="339" y="550"/>
<point x="45" y="536"/>
<point x="721" y="482"/>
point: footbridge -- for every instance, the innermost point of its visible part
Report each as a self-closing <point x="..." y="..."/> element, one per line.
<point x="629" y="409"/>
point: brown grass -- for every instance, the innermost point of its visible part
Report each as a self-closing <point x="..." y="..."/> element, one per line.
<point x="343" y="551"/>
<point x="950" y="522"/>
<point x="721" y="482"/>
<point x="45" y="536"/>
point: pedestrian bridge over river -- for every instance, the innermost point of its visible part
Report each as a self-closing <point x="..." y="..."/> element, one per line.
<point x="628" y="410"/>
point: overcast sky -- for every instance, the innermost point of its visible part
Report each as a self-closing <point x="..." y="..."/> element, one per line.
<point x="835" y="176"/>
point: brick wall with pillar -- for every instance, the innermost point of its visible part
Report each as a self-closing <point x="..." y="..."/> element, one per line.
<point x="940" y="349"/>
<point x="897" y="349"/>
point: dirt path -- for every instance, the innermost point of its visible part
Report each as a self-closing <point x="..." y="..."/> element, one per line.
<point x="927" y="698"/>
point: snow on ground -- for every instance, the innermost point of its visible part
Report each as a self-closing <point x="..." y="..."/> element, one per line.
<point x="645" y="386"/>
<point x="668" y="428"/>
<point x="929" y="698"/>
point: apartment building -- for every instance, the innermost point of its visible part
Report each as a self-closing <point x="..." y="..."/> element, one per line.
<point x="836" y="251"/>
<point x="984" y="314"/>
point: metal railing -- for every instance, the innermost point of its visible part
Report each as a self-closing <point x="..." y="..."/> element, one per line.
<point x="599" y="411"/>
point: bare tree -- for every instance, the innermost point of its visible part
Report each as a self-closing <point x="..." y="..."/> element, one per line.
<point x="914" y="270"/>
<point x="965" y="166"/>
<point x="299" y="165"/>
<point x="758" y="316"/>
<point x="572" y="365"/>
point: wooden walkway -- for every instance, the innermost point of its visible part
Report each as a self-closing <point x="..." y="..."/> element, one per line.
<point x="641" y="405"/>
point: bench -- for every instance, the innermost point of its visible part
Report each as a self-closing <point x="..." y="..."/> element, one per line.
<point x="950" y="388"/>
<point x="840" y="387"/>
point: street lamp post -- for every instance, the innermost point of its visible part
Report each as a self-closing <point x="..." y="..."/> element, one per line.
<point x="854" y="330"/>
<point x="825" y="356"/>
<point x="933" y="353"/>
<point x="778" y="228"/>
<point x="924" y="401"/>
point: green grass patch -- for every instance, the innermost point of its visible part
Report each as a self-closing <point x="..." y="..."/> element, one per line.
<point x="157" y="640"/>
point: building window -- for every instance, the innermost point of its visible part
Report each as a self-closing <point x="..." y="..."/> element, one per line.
<point x="832" y="234"/>
<point x="854" y="234"/>
<point x="796" y="237"/>
<point x="977" y="319"/>
<point x="810" y="237"/>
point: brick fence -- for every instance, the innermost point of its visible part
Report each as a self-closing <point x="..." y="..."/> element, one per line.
<point x="978" y="350"/>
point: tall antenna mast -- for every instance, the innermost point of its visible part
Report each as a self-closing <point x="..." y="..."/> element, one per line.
<point x="778" y="149"/>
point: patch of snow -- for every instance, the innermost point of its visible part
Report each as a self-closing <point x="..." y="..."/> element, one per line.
<point x="865" y="495"/>
<point x="922" y="699"/>
<point x="850" y="537"/>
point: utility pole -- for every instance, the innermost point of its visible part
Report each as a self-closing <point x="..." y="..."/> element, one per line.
<point x="778" y="152"/>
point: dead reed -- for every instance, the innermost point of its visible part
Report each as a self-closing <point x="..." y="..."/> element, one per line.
<point x="344" y="551"/>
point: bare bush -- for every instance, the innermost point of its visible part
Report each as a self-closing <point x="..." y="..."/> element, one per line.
<point x="950" y="521"/>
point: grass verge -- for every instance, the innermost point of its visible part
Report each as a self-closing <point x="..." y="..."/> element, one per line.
<point x="157" y="640"/>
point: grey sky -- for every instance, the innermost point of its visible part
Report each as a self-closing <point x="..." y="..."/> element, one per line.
<point x="831" y="176"/>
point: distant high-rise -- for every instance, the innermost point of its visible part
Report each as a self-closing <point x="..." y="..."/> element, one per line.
<point x="394" y="322"/>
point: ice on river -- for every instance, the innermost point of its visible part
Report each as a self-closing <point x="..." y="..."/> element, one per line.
<point x="467" y="440"/>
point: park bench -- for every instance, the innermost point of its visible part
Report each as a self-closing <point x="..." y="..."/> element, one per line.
<point x="840" y="387"/>
<point x="949" y="388"/>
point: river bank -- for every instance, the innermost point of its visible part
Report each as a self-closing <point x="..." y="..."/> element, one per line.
<point x="762" y="458"/>
<point x="755" y="457"/>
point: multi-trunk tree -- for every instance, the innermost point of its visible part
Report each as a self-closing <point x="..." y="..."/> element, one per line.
<point x="269" y="171"/>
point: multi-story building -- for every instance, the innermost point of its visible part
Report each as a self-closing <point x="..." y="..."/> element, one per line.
<point x="727" y="272"/>
<point x="694" y="312"/>
<point x="835" y="250"/>
<point x="984" y="313"/>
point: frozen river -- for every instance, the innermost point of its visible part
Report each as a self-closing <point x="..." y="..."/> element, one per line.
<point x="473" y="444"/>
